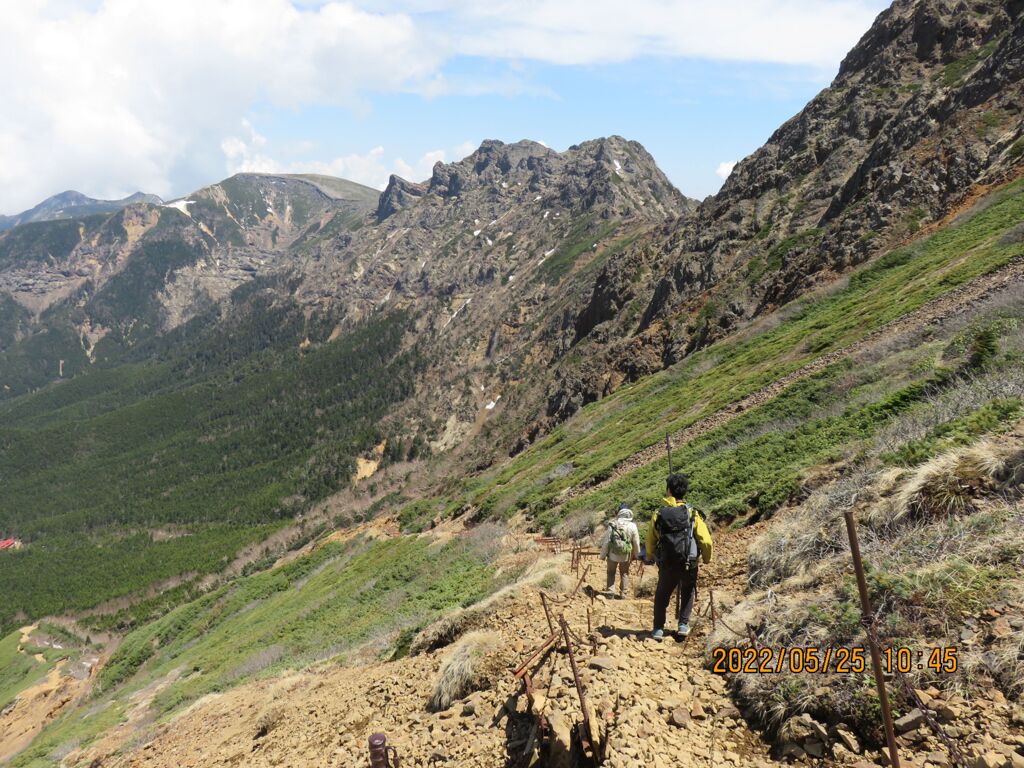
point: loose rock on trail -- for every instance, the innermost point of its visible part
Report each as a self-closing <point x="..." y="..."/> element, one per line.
<point x="665" y="708"/>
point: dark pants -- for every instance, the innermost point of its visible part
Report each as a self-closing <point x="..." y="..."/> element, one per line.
<point x="670" y="577"/>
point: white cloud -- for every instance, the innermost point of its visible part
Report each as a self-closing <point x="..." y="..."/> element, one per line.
<point x="124" y="95"/>
<point x="248" y="153"/>
<point x="808" y="32"/>
<point x="111" y="96"/>
<point x="724" y="169"/>
<point x="464" y="149"/>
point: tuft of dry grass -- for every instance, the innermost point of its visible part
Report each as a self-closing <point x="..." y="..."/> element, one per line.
<point x="814" y="531"/>
<point x="1006" y="665"/>
<point x="465" y="669"/>
<point x="930" y="566"/>
<point x="950" y="483"/>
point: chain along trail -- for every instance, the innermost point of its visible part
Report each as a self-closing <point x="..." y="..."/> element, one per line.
<point x="938" y="309"/>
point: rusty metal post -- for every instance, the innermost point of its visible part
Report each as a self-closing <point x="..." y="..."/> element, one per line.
<point x="876" y="656"/>
<point x="547" y="612"/>
<point x="579" y="584"/>
<point x="521" y="669"/>
<point x="588" y="733"/>
<point x="589" y="630"/>
<point x="381" y="754"/>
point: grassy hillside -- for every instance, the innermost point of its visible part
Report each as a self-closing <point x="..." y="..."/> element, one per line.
<point x="587" y="448"/>
<point x="318" y="607"/>
<point x="342" y="189"/>
<point x="17" y="670"/>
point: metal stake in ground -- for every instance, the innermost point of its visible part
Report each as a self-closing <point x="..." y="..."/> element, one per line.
<point x="876" y="656"/>
<point x="547" y="612"/>
<point x="587" y="732"/>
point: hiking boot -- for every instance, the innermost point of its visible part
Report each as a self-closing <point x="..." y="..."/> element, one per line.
<point x="658" y="634"/>
<point x="684" y="630"/>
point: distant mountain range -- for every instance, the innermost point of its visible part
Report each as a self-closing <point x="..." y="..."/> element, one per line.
<point x="70" y="204"/>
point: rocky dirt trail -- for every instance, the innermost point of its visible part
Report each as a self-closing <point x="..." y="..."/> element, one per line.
<point x="666" y="708"/>
<point x="945" y="306"/>
<point x="652" y="704"/>
<point x="657" y="703"/>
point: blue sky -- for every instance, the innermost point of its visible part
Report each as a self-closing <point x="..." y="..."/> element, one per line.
<point x="182" y="94"/>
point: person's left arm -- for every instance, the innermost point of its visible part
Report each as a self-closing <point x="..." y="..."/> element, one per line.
<point x="703" y="534"/>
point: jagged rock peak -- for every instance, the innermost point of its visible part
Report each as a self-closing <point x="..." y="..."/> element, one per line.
<point x="930" y="31"/>
<point x="398" y="194"/>
<point x="581" y="167"/>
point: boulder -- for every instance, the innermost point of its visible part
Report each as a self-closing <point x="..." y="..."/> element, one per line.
<point x="910" y="721"/>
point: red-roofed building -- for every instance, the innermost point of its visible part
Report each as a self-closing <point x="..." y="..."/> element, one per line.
<point x="10" y="544"/>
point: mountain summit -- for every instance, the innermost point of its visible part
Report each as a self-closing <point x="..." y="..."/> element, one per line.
<point x="70" y="204"/>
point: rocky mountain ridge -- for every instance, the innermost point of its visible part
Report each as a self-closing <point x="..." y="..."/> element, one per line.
<point x="72" y="204"/>
<point x="924" y="108"/>
<point x="518" y="255"/>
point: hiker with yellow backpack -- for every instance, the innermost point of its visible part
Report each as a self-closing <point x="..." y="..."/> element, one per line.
<point x="677" y="538"/>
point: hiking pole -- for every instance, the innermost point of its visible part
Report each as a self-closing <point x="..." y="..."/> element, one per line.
<point x="668" y="447"/>
<point x="876" y="656"/>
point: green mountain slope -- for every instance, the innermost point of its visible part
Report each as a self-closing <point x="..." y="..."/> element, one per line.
<point x="895" y="402"/>
<point x="587" y="449"/>
<point x="219" y="447"/>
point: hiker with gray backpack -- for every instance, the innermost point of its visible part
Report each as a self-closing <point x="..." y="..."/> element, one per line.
<point x="620" y="548"/>
<point x="677" y="537"/>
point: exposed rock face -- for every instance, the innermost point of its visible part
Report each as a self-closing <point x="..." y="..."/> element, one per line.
<point x="399" y="194"/>
<point x="926" y="106"/>
<point x="491" y="255"/>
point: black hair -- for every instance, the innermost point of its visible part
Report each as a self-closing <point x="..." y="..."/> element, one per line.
<point x="678" y="484"/>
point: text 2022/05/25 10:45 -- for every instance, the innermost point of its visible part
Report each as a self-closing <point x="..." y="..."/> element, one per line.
<point x="839" y="660"/>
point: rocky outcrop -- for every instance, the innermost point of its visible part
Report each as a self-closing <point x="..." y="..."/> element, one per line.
<point x="399" y="194"/>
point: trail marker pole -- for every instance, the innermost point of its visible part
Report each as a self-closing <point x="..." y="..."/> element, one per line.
<point x="668" y="447"/>
<point x="876" y="656"/>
